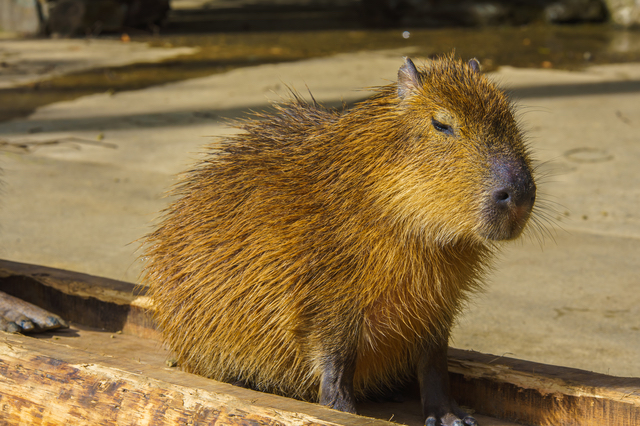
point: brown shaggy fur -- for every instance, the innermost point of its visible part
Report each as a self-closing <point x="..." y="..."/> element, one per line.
<point x="317" y="227"/>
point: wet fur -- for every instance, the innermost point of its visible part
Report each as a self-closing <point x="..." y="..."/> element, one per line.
<point x="320" y="232"/>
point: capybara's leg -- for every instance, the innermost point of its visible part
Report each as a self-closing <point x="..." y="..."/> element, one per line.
<point x="336" y="383"/>
<point x="437" y="405"/>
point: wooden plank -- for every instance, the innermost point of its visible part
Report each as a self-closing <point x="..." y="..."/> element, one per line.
<point x="515" y="390"/>
<point x="146" y="358"/>
<point x="540" y="394"/>
<point x="42" y="382"/>
<point x="84" y="299"/>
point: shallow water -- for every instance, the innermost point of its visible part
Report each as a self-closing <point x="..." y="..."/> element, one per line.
<point x="238" y="37"/>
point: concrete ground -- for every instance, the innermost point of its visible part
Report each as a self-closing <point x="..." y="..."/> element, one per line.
<point x="83" y="180"/>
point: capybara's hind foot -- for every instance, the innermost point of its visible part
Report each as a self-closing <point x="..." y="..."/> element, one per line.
<point x="450" y="419"/>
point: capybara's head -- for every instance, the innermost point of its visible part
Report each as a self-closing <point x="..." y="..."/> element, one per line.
<point x="471" y="175"/>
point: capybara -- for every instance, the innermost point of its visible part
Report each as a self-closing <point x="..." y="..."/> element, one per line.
<point x="324" y="254"/>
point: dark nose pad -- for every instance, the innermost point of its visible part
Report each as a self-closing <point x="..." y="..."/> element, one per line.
<point x="515" y="189"/>
<point x="510" y="199"/>
<point x="515" y="196"/>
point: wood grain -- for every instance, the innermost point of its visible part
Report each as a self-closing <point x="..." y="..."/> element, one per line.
<point x="45" y="383"/>
<point x="540" y="394"/>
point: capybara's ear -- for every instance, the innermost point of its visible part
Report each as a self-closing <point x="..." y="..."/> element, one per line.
<point x="474" y="64"/>
<point x="408" y="78"/>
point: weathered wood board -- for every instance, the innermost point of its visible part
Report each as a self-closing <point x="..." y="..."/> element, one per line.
<point x="80" y="298"/>
<point x="46" y="383"/>
<point x="84" y="376"/>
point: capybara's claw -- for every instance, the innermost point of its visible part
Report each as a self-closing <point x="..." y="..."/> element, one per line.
<point x="450" y="420"/>
<point x="469" y="421"/>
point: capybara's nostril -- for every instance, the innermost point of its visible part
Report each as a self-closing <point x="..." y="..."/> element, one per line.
<point x="501" y="197"/>
<point x="514" y="197"/>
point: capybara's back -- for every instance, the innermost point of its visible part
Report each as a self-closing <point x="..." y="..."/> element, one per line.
<point x="325" y="254"/>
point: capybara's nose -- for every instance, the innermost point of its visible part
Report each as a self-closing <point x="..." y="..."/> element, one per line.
<point x="515" y="196"/>
<point x="515" y="190"/>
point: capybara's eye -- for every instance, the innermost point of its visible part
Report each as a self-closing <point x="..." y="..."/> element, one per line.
<point x="441" y="127"/>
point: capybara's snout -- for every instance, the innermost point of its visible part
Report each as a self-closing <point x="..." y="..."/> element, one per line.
<point x="510" y="199"/>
